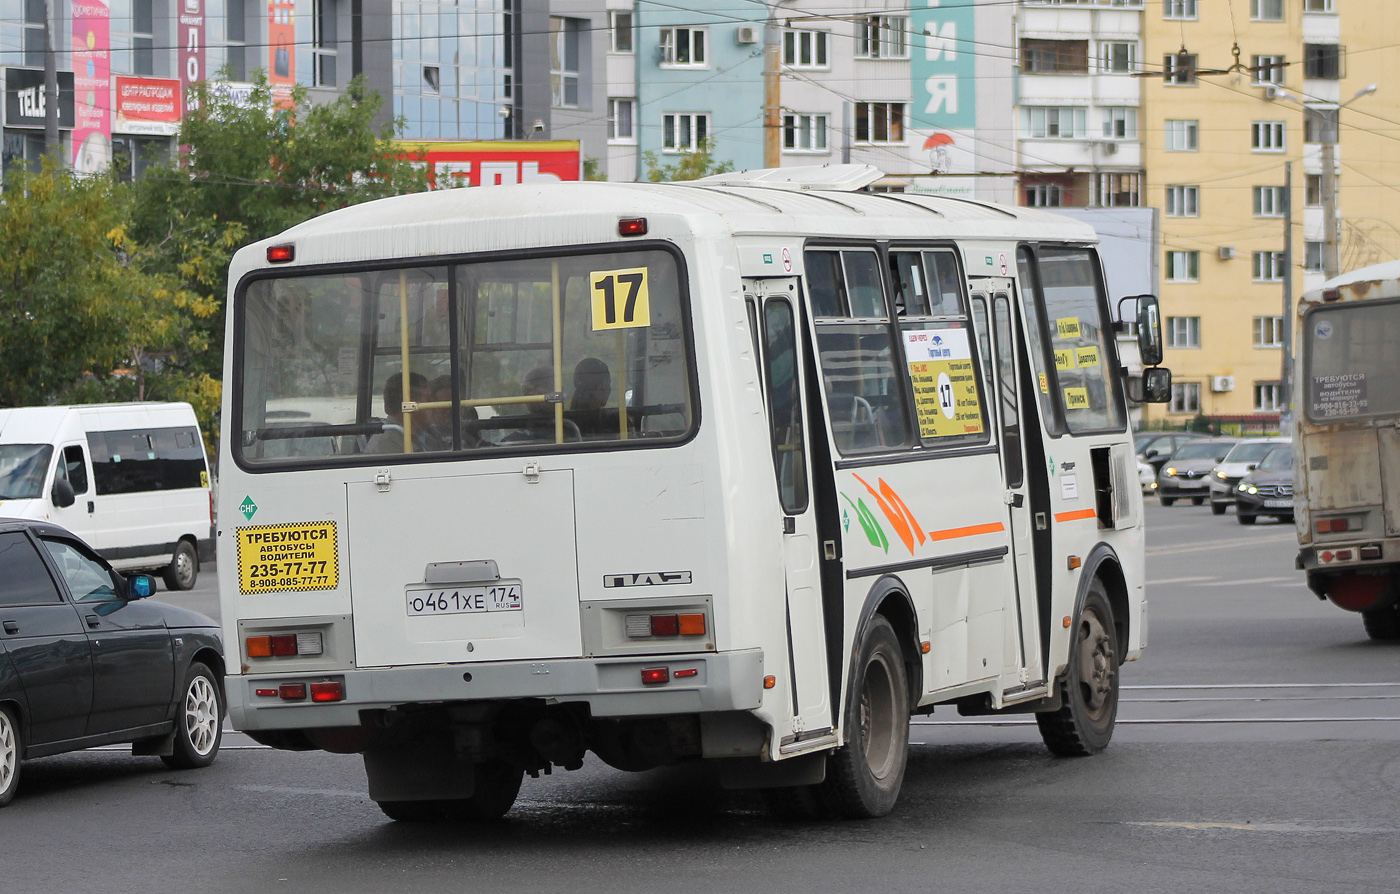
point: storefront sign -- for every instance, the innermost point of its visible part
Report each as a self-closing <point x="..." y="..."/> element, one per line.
<point x="148" y="106"/>
<point x="495" y="162"/>
<point x="24" y="98"/>
<point x="191" y="47"/>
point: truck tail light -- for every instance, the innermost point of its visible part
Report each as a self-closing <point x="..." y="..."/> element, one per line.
<point x="653" y="675"/>
<point x="667" y="624"/>
<point x="1332" y="525"/>
<point x="328" y="691"/>
<point x="292" y="691"/>
<point x="284" y="645"/>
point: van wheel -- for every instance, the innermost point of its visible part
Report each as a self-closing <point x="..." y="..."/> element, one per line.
<point x="864" y="776"/>
<point x="1089" y="693"/>
<point x="11" y="751"/>
<point x="183" y="569"/>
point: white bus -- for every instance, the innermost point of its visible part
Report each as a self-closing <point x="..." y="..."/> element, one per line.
<point x="746" y="470"/>
<point x="1346" y="462"/>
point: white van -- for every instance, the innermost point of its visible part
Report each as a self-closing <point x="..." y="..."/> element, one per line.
<point x="130" y="479"/>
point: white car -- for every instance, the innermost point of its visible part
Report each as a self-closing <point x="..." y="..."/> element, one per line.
<point x="1147" y="477"/>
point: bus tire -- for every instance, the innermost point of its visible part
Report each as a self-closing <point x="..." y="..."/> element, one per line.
<point x="1088" y="709"/>
<point x="863" y="777"/>
<point x="497" y="785"/>
<point x="183" y="569"/>
<point x="1382" y="624"/>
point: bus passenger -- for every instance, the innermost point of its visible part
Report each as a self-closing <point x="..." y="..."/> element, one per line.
<point x="592" y="388"/>
<point x="390" y="440"/>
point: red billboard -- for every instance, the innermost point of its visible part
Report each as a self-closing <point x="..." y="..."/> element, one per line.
<point x="148" y="106"/>
<point x="495" y="162"/>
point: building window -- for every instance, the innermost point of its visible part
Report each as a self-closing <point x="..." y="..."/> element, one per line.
<point x="236" y="32"/>
<point x="1267" y="397"/>
<point x="1120" y="123"/>
<point x="1312" y="190"/>
<point x="432" y="80"/>
<point x="684" y="47"/>
<point x="1323" y="60"/>
<point x="34" y="32"/>
<point x="1266" y="136"/>
<point x="1186" y="398"/>
<point x="325" y="42"/>
<point x="1119" y="190"/>
<point x="620" y="120"/>
<point x="1183" y="266"/>
<point x="1043" y="195"/>
<point x="1183" y="201"/>
<point x="1183" y="332"/>
<point x="563" y="61"/>
<point x="620" y="27"/>
<point x="1118" y="56"/>
<point x="143" y="38"/>
<point x="804" y="133"/>
<point x="1268" y="266"/>
<point x="1266" y="10"/>
<point x="879" y="122"/>
<point x="805" y="49"/>
<point x="1181" y="134"/>
<point x="1054" y="56"/>
<point x="1056" y="122"/>
<point x="882" y="37"/>
<point x="1267" y="70"/>
<point x="1179" y="69"/>
<point x="1269" y="201"/>
<point x="685" y="131"/>
<point x="1320" y="125"/>
<point x="1268" y="332"/>
<point x="1178" y="9"/>
<point x="1317" y="6"/>
<point x="1313" y="256"/>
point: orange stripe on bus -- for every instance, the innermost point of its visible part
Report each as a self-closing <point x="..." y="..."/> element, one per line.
<point x="1076" y="515"/>
<point x="969" y="531"/>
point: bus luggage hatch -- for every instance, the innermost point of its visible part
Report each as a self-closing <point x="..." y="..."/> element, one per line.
<point x="404" y="543"/>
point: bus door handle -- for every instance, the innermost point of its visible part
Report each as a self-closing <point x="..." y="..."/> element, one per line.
<point x="91" y="507"/>
<point x="1015" y="500"/>
<point x="1040" y="521"/>
<point x="789" y="525"/>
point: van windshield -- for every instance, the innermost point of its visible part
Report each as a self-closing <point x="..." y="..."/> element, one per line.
<point x="22" y="470"/>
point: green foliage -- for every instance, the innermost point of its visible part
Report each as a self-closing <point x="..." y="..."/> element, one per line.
<point x="690" y="166"/>
<point x="593" y="169"/>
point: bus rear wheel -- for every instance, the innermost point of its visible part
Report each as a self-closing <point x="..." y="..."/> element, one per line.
<point x="864" y="776"/>
<point x="1088" y="709"/>
<point x="1382" y="625"/>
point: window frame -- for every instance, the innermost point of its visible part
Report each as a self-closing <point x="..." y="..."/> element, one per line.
<point x="1273" y="388"/>
<point x="1324" y="61"/>
<point x="871" y="37"/>
<point x="1192" y="260"/>
<point x="616" y="29"/>
<point x="1271" y="76"/>
<point x="1113" y="116"/>
<point x="1189" y="131"/>
<point x="1180" y="10"/>
<point x="1268" y="136"/>
<point x="1190" y="333"/>
<point x="1262" y="10"/>
<point x="1107" y="63"/>
<point x="1191" y="394"/>
<point x="1269" y="201"/>
<point x="615" y="137"/>
<point x="1078" y="122"/>
<point x="869" y="105"/>
<point x="698" y="39"/>
<point x="1181" y="200"/>
<point x="1185" y="76"/>
<point x="819" y="49"/>
<point x="1268" y="332"/>
<point x="819" y="123"/>
<point x="670" y="131"/>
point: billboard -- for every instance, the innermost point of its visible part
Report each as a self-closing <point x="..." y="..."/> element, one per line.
<point x="495" y="162"/>
<point x="191" y="46"/>
<point x="943" y="65"/>
<point x="148" y="106"/>
<point x="24" y="98"/>
<point x="92" y="82"/>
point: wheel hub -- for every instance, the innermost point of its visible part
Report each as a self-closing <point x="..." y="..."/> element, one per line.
<point x="201" y="715"/>
<point x="1098" y="663"/>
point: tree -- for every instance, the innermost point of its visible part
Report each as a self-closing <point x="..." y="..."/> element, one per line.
<point x="691" y="166"/>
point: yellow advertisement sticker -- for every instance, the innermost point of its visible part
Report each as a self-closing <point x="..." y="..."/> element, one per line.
<point x="1076" y="398"/>
<point x="1067" y="327"/>
<point x="203" y="478"/>
<point x="294" y="556"/>
<point x="1086" y="356"/>
<point x="621" y="299"/>
<point x="1044" y="384"/>
<point x="1064" y="359"/>
<point x="945" y="390"/>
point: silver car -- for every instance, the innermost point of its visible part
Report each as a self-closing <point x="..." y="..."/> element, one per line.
<point x="1186" y="475"/>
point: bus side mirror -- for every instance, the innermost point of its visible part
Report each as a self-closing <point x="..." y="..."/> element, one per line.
<point x="62" y="493"/>
<point x="1149" y="322"/>
<point x="1154" y="386"/>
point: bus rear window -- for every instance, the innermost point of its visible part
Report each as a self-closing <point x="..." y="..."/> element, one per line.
<point x="1351" y="357"/>
<point x="488" y="356"/>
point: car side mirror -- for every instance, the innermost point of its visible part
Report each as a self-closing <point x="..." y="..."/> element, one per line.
<point x="139" y="586"/>
<point x="1251" y="467"/>
<point x="1151" y="452"/>
<point x="1154" y="386"/>
<point x="62" y="493"/>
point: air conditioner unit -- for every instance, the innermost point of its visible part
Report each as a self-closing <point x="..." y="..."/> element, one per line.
<point x="747" y="34"/>
<point x="1110" y="147"/>
<point x="1226" y="252"/>
<point x="1222" y="383"/>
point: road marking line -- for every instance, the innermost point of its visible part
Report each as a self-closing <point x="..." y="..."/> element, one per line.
<point x="1177" y="580"/>
<point x="1260" y="827"/>
<point x="1228" y="544"/>
<point x="1259" y="580"/>
<point x="298" y="790"/>
<point x="1170" y="722"/>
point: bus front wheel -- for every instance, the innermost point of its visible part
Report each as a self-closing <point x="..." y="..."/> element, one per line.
<point x="1084" y="722"/>
<point x="864" y="776"/>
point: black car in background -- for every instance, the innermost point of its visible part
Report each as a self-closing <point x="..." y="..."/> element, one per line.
<point x="86" y="661"/>
<point x="1268" y="490"/>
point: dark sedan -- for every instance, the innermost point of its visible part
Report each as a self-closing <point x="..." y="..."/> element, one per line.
<point x="85" y="661"/>
<point x="1267" y="490"/>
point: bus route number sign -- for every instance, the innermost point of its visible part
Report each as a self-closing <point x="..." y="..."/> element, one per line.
<point x="293" y="556"/>
<point x="621" y="299"/>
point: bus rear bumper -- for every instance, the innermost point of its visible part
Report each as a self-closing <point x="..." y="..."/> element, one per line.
<point x="612" y="687"/>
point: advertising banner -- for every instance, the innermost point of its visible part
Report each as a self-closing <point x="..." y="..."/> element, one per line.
<point x="281" y="50"/>
<point x="92" y="81"/>
<point x="943" y="115"/>
<point x="494" y="162"/>
<point x="24" y="98"/>
<point x="148" y="106"/>
<point x="191" y="47"/>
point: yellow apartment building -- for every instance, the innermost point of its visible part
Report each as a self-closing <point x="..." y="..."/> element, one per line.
<point x="1240" y="93"/>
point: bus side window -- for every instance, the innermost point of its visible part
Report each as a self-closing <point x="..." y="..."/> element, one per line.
<point x="824" y="283"/>
<point x="911" y="293"/>
<point x="1035" y="342"/>
<point x="785" y="405"/>
<point x="1007" y="389"/>
<point x="984" y="338"/>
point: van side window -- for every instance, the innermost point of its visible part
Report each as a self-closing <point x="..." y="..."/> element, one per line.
<point x="139" y="461"/>
<point x="74" y="468"/>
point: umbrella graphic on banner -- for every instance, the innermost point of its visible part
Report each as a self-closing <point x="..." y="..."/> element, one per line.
<point x="938" y="159"/>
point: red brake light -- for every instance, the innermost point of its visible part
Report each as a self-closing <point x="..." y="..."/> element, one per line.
<point x="284" y="644"/>
<point x="292" y="691"/>
<point x="653" y="675"/>
<point x="636" y="226"/>
<point x="332" y="691"/>
<point x="281" y="254"/>
<point x="1326" y="525"/>
<point x="665" y="625"/>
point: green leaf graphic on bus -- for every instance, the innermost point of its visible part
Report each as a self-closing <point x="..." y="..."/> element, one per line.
<point x="873" y="532"/>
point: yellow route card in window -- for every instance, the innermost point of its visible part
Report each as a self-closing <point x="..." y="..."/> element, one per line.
<point x="621" y="299"/>
<point x="1067" y="327"/>
<point x="940" y="375"/>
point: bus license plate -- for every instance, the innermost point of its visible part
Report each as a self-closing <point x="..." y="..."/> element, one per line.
<point x="467" y="600"/>
<point x="1277" y="504"/>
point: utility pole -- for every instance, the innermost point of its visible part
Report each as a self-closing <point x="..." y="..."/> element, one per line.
<point x="1331" y="266"/>
<point x="772" y="90"/>
<point x="1285" y="382"/>
<point x="52" y="146"/>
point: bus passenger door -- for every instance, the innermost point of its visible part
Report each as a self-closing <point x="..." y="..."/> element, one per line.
<point x="1010" y="359"/>
<point x="782" y="375"/>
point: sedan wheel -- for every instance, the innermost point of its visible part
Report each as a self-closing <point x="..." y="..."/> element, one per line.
<point x="198" y="724"/>
<point x="10" y="752"/>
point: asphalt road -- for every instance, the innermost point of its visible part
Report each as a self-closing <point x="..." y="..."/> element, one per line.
<point x="1258" y="749"/>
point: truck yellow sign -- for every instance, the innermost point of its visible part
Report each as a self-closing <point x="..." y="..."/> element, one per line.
<point x="940" y="375"/>
<point x="293" y="556"/>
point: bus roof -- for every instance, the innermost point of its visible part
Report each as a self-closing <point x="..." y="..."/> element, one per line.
<point x="1376" y="281"/>
<point x="455" y="221"/>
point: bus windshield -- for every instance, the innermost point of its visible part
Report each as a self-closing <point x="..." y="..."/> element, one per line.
<point x="499" y="354"/>
<point x="1352" y="370"/>
<point x="22" y="470"/>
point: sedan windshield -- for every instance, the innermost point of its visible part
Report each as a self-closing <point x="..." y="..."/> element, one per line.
<point x="1250" y="452"/>
<point x="22" y="470"/>
<point x="1280" y="459"/>
<point x="1215" y="450"/>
